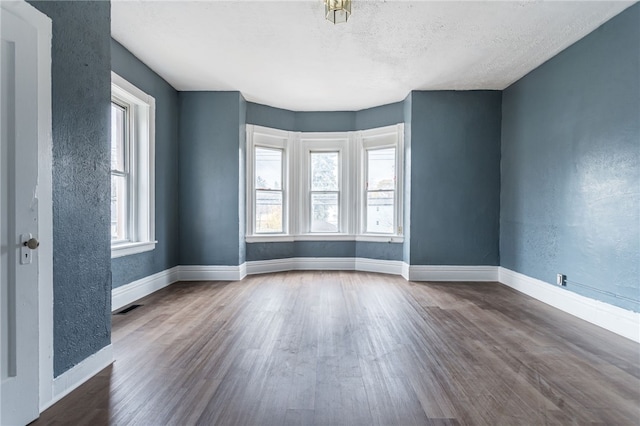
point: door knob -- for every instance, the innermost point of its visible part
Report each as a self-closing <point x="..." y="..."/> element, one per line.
<point x="33" y="243"/>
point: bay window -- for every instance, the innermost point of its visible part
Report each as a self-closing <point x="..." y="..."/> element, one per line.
<point x="324" y="186"/>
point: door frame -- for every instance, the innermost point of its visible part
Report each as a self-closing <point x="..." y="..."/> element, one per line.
<point x="43" y="25"/>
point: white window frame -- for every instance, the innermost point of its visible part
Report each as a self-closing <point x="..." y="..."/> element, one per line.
<point x="323" y="142"/>
<point x="141" y="137"/>
<point x="297" y="148"/>
<point x="264" y="137"/>
<point x="384" y="137"/>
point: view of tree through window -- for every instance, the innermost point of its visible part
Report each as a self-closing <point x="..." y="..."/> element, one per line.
<point x="325" y="192"/>
<point x="269" y="196"/>
<point x="381" y="175"/>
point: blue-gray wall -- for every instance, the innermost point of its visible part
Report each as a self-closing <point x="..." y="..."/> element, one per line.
<point x="406" y="222"/>
<point x="81" y="97"/>
<point x="571" y="166"/>
<point x="455" y="178"/>
<point x="210" y="157"/>
<point x="165" y="255"/>
<point x="325" y="121"/>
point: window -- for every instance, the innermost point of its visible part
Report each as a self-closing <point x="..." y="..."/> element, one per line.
<point x="324" y="186"/>
<point x="132" y="169"/>
<point x="269" y="192"/>
<point x="267" y="183"/>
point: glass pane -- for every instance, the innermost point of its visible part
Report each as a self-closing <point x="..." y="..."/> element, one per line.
<point x="380" y="212"/>
<point x="324" y="171"/>
<point x="381" y="168"/>
<point x="268" y="168"/>
<point x="119" y="208"/>
<point x="324" y="212"/>
<point x="118" y="121"/>
<point x="268" y="211"/>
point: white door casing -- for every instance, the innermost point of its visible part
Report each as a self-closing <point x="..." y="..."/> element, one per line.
<point x="26" y="309"/>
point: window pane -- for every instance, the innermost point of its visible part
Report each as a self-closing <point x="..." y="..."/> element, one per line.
<point x="324" y="212"/>
<point x="119" y="208"/>
<point x="268" y="168"/>
<point x="324" y="171"/>
<point x="118" y="121"/>
<point x="381" y="168"/>
<point x="268" y="211"/>
<point x="380" y="212"/>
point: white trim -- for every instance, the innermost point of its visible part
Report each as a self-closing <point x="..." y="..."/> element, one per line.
<point x="393" y="267"/>
<point x="452" y="273"/>
<point x="71" y="379"/>
<point x="141" y="171"/>
<point x="405" y="270"/>
<point x="126" y="249"/>
<point x="129" y="293"/>
<point x="211" y="272"/>
<point x="275" y="238"/>
<point x="617" y="320"/>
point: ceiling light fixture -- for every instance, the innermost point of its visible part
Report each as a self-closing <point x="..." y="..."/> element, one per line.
<point x="337" y="11"/>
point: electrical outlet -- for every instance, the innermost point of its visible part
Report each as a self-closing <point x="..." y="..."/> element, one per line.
<point x="561" y="280"/>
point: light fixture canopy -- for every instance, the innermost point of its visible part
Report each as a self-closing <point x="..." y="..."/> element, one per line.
<point x="337" y="11"/>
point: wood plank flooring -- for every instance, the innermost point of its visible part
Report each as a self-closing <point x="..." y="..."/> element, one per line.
<point x="353" y="348"/>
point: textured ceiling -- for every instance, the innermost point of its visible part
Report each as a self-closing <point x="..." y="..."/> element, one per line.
<point x="285" y="54"/>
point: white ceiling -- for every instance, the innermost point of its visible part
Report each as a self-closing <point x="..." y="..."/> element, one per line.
<point x="285" y="54"/>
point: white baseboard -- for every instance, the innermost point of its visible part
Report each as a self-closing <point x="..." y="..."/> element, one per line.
<point x="78" y="374"/>
<point x="393" y="267"/>
<point x="129" y="293"/>
<point x="617" y="320"/>
<point x="452" y="273"/>
<point x="211" y="272"/>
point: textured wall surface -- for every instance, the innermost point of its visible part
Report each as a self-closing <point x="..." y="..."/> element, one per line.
<point x="130" y="268"/>
<point x="571" y="166"/>
<point x="282" y="250"/>
<point x="455" y="177"/>
<point x="81" y="96"/>
<point x="325" y="121"/>
<point x="406" y="246"/>
<point x="209" y="167"/>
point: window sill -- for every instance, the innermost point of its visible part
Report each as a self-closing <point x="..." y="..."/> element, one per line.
<point x="324" y="237"/>
<point x="127" y="249"/>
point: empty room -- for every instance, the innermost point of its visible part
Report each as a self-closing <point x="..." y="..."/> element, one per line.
<point x="320" y="212"/>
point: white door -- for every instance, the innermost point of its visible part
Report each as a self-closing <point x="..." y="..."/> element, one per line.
<point x="19" y="255"/>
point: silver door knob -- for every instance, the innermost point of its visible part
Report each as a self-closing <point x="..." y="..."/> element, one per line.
<point x="32" y="243"/>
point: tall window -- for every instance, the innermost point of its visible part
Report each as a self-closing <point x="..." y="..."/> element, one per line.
<point x="132" y="169"/>
<point x="268" y="190"/>
<point x="120" y="203"/>
<point x="380" y="189"/>
<point x="325" y="191"/>
<point x="324" y="186"/>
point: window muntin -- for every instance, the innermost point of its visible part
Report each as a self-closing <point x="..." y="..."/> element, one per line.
<point x="269" y="199"/>
<point x="324" y="196"/>
<point x="132" y="169"/>
<point x="380" y="190"/>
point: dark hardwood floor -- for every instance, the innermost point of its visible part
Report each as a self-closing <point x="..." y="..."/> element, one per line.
<point x="353" y="348"/>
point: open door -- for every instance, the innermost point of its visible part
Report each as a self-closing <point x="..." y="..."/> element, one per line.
<point x="19" y="220"/>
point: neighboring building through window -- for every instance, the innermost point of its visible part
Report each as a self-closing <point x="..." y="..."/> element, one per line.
<point x="132" y="169"/>
<point x="324" y="186"/>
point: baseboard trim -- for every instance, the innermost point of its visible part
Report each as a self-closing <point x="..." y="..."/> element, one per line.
<point x="129" y="293"/>
<point x="452" y="273"/>
<point x="211" y="272"/>
<point x="617" y="320"/>
<point x="78" y="374"/>
<point x="393" y="267"/>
